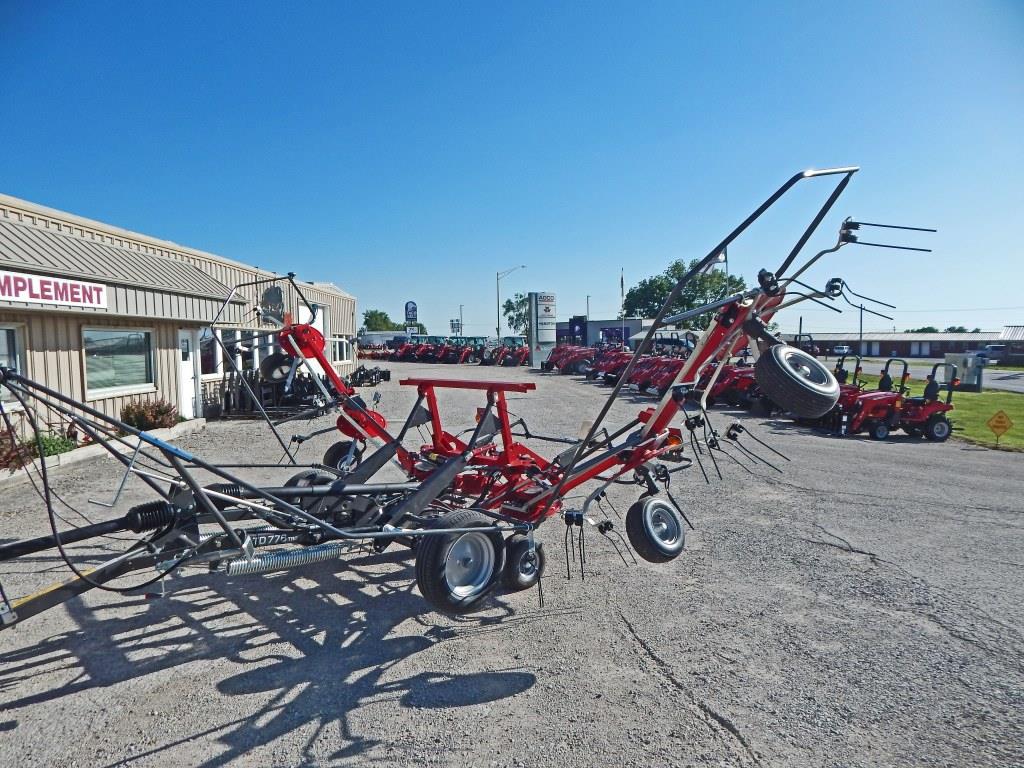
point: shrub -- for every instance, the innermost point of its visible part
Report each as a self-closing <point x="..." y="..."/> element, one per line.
<point x="51" y="444"/>
<point x="151" y="414"/>
<point x="13" y="453"/>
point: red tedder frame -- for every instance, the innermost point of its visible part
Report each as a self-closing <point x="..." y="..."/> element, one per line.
<point x="506" y="477"/>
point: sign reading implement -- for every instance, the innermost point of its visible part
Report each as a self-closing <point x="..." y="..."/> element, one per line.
<point x="59" y="291"/>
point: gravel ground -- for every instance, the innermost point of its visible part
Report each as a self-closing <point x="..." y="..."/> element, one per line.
<point x="864" y="608"/>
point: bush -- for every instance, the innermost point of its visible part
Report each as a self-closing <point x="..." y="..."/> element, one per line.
<point x="51" y="444"/>
<point x="13" y="453"/>
<point x="151" y="414"/>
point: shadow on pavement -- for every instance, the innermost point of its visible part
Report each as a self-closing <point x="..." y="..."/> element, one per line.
<point x="316" y="656"/>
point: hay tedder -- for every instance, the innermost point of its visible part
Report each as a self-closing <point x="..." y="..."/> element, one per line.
<point x="469" y="503"/>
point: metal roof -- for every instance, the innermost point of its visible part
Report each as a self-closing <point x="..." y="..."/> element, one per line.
<point x="23" y="246"/>
<point x="1012" y="333"/>
<point x="883" y="336"/>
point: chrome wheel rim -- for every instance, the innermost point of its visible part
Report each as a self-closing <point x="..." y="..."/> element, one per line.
<point x="804" y="369"/>
<point x="664" y="526"/>
<point x="469" y="564"/>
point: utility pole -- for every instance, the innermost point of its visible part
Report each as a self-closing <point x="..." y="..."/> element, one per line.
<point x="588" y="307"/>
<point x="860" y="334"/>
<point x="462" y="331"/>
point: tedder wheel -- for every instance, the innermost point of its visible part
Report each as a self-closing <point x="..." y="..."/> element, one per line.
<point x="655" y="529"/>
<point x="456" y="571"/>
<point x="796" y="381"/>
<point x="307" y="479"/>
<point x="879" y="430"/>
<point x="522" y="570"/>
<point x="938" y="428"/>
<point x="337" y="456"/>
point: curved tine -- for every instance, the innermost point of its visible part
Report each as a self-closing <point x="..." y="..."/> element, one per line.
<point x="806" y="297"/>
<point x="866" y="298"/>
<point x="696" y="454"/>
<point x="862" y="308"/>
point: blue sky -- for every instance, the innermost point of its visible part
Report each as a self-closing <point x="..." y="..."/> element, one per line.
<point x="411" y="150"/>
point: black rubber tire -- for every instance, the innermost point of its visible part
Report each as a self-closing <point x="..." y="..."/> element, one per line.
<point x="580" y="367"/>
<point x="733" y="398"/>
<point x="796" y="381"/>
<point x="309" y="477"/>
<point x="879" y="430"/>
<point x="518" y="573"/>
<point x="509" y="361"/>
<point x="644" y="536"/>
<point x="432" y="554"/>
<point x="938" y="429"/>
<point x="337" y="453"/>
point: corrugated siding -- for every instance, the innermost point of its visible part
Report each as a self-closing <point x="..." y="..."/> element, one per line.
<point x="228" y="273"/>
<point x="38" y="249"/>
<point x="54" y="357"/>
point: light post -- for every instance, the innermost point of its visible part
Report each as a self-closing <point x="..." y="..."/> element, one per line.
<point x="461" y="331"/>
<point x="588" y="307"/>
<point x="497" y="290"/>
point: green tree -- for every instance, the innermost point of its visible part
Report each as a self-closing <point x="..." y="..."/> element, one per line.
<point x="646" y="297"/>
<point x="976" y="330"/>
<point x="517" y="313"/>
<point x="923" y="329"/>
<point x="956" y="329"/>
<point x="378" y="320"/>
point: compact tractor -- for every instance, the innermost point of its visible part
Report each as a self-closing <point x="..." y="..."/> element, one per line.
<point x="879" y="413"/>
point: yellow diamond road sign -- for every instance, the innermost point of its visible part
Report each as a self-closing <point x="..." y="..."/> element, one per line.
<point x="1000" y="423"/>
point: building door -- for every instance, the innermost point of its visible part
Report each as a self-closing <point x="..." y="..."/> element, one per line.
<point x="187" y="374"/>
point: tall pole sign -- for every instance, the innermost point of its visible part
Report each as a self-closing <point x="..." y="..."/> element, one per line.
<point x="543" y="326"/>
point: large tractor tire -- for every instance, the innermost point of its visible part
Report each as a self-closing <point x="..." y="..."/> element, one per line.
<point x="796" y="381"/>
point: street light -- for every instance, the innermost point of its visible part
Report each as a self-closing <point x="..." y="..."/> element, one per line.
<point x="497" y="290"/>
<point x="588" y="307"/>
<point x="461" y="332"/>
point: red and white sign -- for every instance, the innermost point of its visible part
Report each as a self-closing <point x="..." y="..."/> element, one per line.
<point x="60" y="291"/>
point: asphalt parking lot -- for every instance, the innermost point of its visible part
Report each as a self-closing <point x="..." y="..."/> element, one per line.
<point x="861" y="608"/>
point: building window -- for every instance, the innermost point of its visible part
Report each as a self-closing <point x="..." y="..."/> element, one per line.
<point x="341" y="350"/>
<point x="11" y="355"/>
<point x="248" y="350"/>
<point x="209" y="353"/>
<point x="117" y="359"/>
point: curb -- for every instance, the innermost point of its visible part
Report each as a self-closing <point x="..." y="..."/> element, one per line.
<point x="87" y="452"/>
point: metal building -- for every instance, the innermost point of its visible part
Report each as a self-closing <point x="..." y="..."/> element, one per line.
<point x="110" y="316"/>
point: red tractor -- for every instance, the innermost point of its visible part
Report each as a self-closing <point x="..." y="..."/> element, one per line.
<point x="734" y="386"/>
<point x="880" y="412"/>
<point x="573" y="360"/>
<point x="513" y="352"/>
